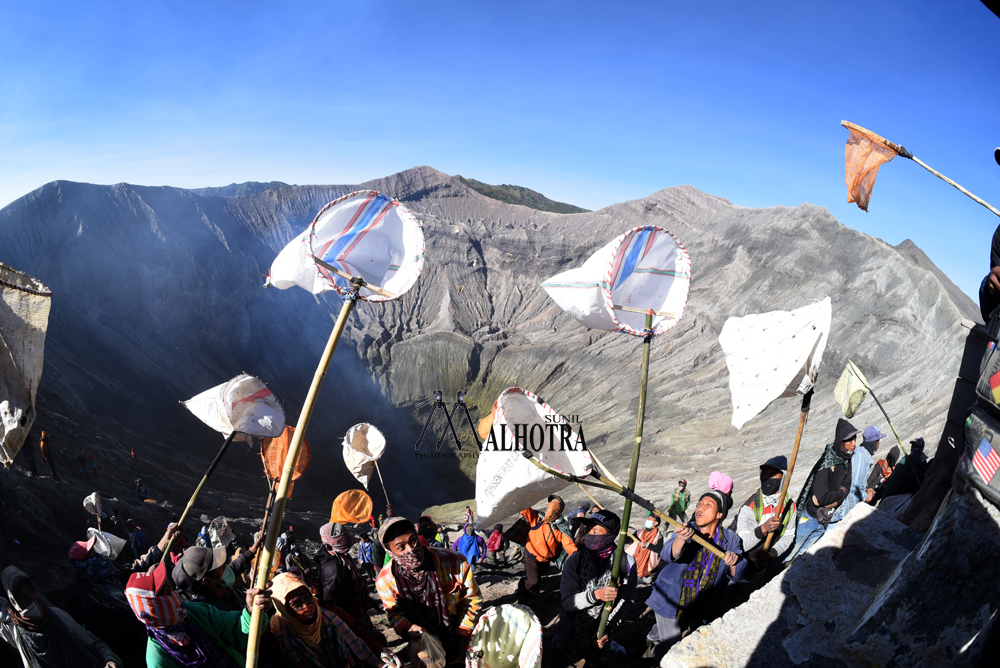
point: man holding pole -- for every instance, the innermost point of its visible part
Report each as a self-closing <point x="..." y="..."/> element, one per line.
<point x="692" y="572"/>
<point x="759" y="517"/>
<point x="679" y="502"/>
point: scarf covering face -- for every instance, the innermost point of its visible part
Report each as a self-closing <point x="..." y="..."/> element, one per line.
<point x="595" y="572"/>
<point x="331" y="644"/>
<point x="336" y="539"/>
<point x="700" y="573"/>
<point x="46" y="641"/>
<point x="421" y="588"/>
<point x="600" y="545"/>
<point x="283" y="585"/>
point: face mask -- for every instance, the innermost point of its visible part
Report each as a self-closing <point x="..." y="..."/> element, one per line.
<point x="468" y="531"/>
<point x="649" y="524"/>
<point x="598" y="542"/>
<point x="228" y="577"/>
<point x="33" y="611"/>
<point x="770" y="486"/>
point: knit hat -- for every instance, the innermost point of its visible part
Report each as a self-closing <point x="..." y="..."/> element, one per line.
<point x="778" y="463"/>
<point x="722" y="500"/>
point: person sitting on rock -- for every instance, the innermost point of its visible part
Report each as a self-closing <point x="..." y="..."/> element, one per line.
<point x="825" y="488"/>
<point x="861" y="490"/>
<point x="692" y="573"/>
<point x="586" y="586"/>
<point x="426" y="591"/>
<point x="758" y="517"/>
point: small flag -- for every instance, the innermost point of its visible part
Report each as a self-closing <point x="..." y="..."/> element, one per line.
<point x="995" y="387"/>
<point x="986" y="460"/>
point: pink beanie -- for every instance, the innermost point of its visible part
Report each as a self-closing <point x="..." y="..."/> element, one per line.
<point x="720" y="482"/>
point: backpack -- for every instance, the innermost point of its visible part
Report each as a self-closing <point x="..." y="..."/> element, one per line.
<point x="496" y="538"/>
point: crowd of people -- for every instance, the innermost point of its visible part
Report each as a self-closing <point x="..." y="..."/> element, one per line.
<point x="180" y="604"/>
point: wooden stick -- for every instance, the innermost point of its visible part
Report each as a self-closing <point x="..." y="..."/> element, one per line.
<point x="617" y="489"/>
<point x="383" y="483"/>
<point x="633" y="471"/>
<point x="298" y="438"/>
<point x="584" y="490"/>
<point x="632" y="309"/>
<point x="263" y="525"/>
<point x="791" y="465"/>
<point x="197" y="491"/>
<point x="364" y="284"/>
<point x="901" y="151"/>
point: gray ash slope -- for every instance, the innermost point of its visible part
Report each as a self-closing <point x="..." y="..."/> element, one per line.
<point x="157" y="296"/>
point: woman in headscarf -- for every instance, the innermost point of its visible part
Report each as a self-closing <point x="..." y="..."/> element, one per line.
<point x="586" y="585"/>
<point x="45" y="636"/>
<point x="304" y="635"/>
<point x="189" y="635"/>
<point x="341" y="582"/>
<point x="469" y="545"/>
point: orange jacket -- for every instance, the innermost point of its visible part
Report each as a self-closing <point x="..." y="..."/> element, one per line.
<point x="544" y="539"/>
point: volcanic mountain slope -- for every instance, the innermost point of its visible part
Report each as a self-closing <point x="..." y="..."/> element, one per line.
<point x="157" y="296"/>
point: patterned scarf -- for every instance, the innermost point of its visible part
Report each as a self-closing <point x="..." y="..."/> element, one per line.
<point x="338" y="646"/>
<point x="595" y="573"/>
<point x="832" y="456"/>
<point x="197" y="651"/>
<point x="700" y="573"/>
<point x="420" y="586"/>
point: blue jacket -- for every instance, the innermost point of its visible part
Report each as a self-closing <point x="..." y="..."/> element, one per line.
<point x="472" y="547"/>
<point x="666" y="592"/>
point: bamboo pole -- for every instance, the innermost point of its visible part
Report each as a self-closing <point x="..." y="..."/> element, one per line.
<point x="584" y="490"/>
<point x="617" y="489"/>
<point x="901" y="151"/>
<point x="627" y="510"/>
<point x="383" y="483"/>
<point x="263" y="525"/>
<point x="197" y="491"/>
<point x="806" y="399"/>
<point x="271" y="540"/>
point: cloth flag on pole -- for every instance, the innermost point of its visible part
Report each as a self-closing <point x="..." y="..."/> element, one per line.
<point x="363" y="233"/>
<point x="243" y="405"/>
<point x="864" y="154"/>
<point x="772" y="355"/>
<point x="506" y="482"/>
<point x="644" y="268"/>
<point x="851" y="389"/>
<point x="986" y="460"/>
<point x="363" y="445"/>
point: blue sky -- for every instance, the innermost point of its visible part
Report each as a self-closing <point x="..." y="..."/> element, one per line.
<point x="588" y="102"/>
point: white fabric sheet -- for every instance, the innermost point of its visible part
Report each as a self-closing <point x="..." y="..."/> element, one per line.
<point x="243" y="405"/>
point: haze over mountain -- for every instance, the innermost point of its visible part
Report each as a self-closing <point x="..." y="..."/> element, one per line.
<point x="158" y="295"/>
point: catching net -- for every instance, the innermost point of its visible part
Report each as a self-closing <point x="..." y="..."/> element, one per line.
<point x="273" y="452"/>
<point x="864" y="154"/>
<point x="644" y="268"/>
<point x="352" y="507"/>
<point x="851" y="389"/>
<point x="363" y="445"/>
<point x="23" y="323"/>
<point x="242" y="405"/>
<point x="364" y="233"/>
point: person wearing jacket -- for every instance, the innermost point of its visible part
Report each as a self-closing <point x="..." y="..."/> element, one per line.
<point x="469" y="545"/>
<point x="497" y="546"/>
<point x="692" y="573"/>
<point x="543" y="543"/>
<point x="340" y="579"/>
<point x="758" y="516"/>
<point x="826" y="488"/>
<point x="45" y="636"/>
<point x="861" y="468"/>
<point x="679" y="502"/>
<point x="586" y="586"/>
<point x="189" y="635"/>
<point x="650" y="543"/>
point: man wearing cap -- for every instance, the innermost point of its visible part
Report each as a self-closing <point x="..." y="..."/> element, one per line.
<point x="826" y="488"/>
<point x="861" y="464"/>
<point x="683" y="591"/>
<point x="758" y="516"/>
<point x="189" y="634"/>
<point x="203" y="575"/>
<point x="679" y="502"/>
<point x="426" y="590"/>
<point x="543" y="543"/>
<point x="586" y="586"/>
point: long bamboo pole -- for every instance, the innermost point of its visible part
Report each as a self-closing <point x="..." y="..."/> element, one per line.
<point x="278" y="513"/>
<point x="617" y="489"/>
<point x="584" y="490"/>
<point x="791" y="465"/>
<point x="272" y="485"/>
<point x="197" y="491"/>
<point x="627" y="510"/>
<point x="379" y="471"/>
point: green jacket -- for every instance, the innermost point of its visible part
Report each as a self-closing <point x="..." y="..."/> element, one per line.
<point x="679" y="501"/>
<point x="228" y="629"/>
